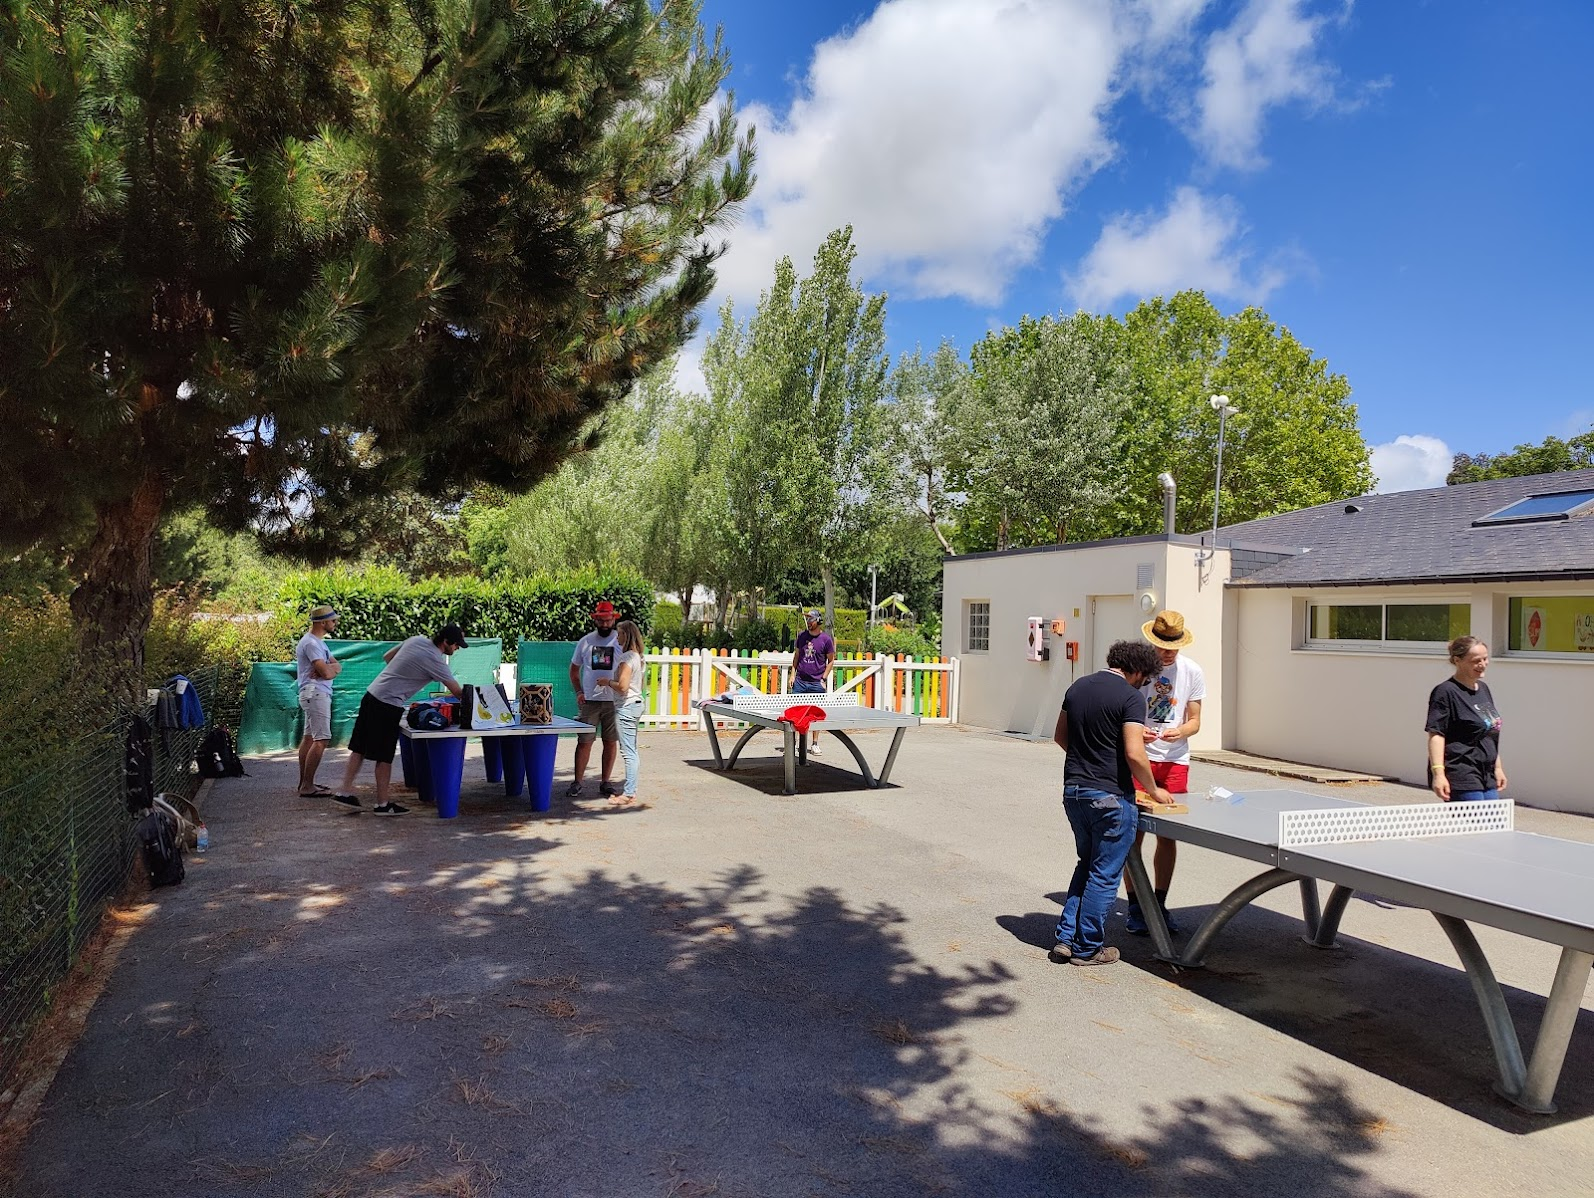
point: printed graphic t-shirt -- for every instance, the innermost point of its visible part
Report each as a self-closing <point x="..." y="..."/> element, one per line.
<point x="812" y="650"/>
<point x="1168" y="694"/>
<point x="1470" y="724"/>
<point x="310" y="650"/>
<point x="1098" y="706"/>
<point x="597" y="654"/>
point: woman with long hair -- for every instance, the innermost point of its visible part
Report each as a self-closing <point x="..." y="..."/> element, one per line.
<point x="626" y="687"/>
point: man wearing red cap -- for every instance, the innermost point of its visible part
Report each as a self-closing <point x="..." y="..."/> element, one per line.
<point x="594" y="661"/>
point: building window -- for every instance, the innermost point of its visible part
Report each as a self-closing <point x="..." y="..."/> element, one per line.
<point x="1386" y="625"/>
<point x="978" y="624"/>
<point x="1552" y="624"/>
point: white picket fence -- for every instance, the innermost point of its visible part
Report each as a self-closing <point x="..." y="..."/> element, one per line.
<point x="678" y="678"/>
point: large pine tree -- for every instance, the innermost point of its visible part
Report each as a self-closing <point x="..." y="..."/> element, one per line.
<point x="282" y="257"/>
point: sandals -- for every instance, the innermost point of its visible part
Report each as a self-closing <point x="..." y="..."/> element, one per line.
<point x="320" y="792"/>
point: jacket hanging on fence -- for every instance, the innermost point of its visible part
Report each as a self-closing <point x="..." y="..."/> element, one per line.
<point x="190" y="713"/>
<point x="138" y="765"/>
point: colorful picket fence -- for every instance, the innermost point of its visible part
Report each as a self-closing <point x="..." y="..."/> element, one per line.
<point x="926" y="687"/>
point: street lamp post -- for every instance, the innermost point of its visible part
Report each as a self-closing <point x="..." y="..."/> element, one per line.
<point x="873" y="570"/>
<point x="1222" y="406"/>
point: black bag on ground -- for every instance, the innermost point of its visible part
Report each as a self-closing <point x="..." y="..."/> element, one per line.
<point x="163" y="852"/>
<point x="217" y="757"/>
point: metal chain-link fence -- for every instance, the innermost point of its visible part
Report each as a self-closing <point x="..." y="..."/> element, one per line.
<point x="66" y="849"/>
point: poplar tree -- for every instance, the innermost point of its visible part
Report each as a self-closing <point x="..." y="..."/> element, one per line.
<point x="285" y="257"/>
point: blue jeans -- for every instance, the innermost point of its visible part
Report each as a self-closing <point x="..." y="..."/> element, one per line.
<point x="1473" y="796"/>
<point x="625" y="720"/>
<point x="807" y="686"/>
<point x="1104" y="834"/>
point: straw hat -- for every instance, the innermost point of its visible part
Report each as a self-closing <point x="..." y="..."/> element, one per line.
<point x="324" y="612"/>
<point x="1167" y="631"/>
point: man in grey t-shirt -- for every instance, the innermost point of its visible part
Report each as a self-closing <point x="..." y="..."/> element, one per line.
<point x="410" y="666"/>
<point x="316" y="670"/>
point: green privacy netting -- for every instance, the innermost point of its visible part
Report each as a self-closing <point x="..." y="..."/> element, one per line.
<point x="271" y="719"/>
<point x="548" y="661"/>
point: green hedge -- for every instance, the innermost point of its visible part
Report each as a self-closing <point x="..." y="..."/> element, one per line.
<point x="384" y="605"/>
<point x="849" y="629"/>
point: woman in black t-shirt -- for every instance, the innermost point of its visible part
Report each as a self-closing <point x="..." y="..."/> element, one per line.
<point x="1464" y="729"/>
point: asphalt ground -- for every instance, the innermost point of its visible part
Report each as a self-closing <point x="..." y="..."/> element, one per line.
<point x="734" y="992"/>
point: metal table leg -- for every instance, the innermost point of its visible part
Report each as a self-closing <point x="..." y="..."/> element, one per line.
<point x="1161" y="938"/>
<point x="891" y="757"/>
<point x="790" y="755"/>
<point x="1555" y="1033"/>
<point x="1232" y="905"/>
<point x="1496" y="1018"/>
<point x="713" y="740"/>
<point x="857" y="755"/>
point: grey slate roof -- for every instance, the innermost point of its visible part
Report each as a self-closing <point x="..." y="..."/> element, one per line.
<point x="1421" y="537"/>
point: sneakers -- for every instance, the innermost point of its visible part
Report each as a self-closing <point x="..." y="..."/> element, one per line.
<point x="573" y="791"/>
<point x="390" y="808"/>
<point x="1061" y="954"/>
<point x="1102" y="956"/>
<point x="813" y="749"/>
<point x="347" y="800"/>
<point x="610" y="789"/>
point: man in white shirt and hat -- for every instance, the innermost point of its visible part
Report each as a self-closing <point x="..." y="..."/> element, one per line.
<point x="1173" y="715"/>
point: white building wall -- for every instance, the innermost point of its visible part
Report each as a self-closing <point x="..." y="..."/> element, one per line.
<point x="1363" y="710"/>
<point x="999" y="689"/>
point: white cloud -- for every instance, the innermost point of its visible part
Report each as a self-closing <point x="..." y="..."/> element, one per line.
<point x="1411" y="463"/>
<point x="1196" y="242"/>
<point x="1267" y="58"/>
<point x="948" y="134"/>
<point x="688" y="376"/>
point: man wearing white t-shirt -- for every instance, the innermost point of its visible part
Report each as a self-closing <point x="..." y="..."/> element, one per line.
<point x="596" y="657"/>
<point x="1173" y="715"/>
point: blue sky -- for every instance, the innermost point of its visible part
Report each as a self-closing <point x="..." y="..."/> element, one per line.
<point x="1405" y="185"/>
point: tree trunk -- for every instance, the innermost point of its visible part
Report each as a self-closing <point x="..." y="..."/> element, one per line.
<point x="830" y="597"/>
<point x="935" y="527"/>
<point x="1001" y="531"/>
<point x="111" y="606"/>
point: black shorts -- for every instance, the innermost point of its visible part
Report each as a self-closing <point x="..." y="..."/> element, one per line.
<point x="376" y="730"/>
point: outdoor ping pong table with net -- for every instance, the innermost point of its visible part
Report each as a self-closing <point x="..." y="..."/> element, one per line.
<point x="1458" y="861"/>
<point x="843" y="714"/>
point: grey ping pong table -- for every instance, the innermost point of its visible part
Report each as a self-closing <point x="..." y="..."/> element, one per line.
<point x="843" y="714"/>
<point x="1458" y="861"/>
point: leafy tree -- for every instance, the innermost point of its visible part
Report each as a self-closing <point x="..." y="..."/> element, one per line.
<point x="1551" y="456"/>
<point x="924" y="394"/>
<point x="287" y="258"/>
<point x="797" y="392"/>
<point x="1294" y="441"/>
<point x="1037" y="430"/>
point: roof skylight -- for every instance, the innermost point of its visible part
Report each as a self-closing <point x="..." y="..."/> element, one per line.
<point x="1560" y="506"/>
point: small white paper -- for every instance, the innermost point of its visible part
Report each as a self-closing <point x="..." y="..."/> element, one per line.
<point x="1219" y="794"/>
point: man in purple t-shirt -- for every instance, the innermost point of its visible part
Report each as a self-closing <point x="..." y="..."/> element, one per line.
<point x="812" y="662"/>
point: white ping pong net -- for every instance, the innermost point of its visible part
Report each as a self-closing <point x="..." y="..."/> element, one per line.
<point x="1343" y="825"/>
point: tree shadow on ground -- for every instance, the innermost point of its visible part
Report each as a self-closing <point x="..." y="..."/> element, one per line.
<point x="352" y="1008"/>
<point x="1403" y="1017"/>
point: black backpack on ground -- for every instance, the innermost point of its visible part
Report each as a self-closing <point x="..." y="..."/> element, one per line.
<point x="217" y="757"/>
<point x="157" y="834"/>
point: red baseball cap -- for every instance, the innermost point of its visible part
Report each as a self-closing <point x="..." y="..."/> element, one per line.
<point x="605" y="608"/>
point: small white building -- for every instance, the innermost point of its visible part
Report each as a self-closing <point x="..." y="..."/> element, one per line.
<point x="1321" y="631"/>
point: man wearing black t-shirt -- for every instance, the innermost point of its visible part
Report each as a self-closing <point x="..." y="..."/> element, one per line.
<point x="1101" y="729"/>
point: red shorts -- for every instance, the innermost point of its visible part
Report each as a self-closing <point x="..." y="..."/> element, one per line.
<point x="1172" y="776"/>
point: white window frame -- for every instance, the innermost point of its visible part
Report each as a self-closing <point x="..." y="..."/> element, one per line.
<point x="1539" y="655"/>
<point x="1383" y="602"/>
<point x="968" y="625"/>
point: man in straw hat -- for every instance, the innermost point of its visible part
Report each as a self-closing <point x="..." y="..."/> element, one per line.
<point x="317" y="669"/>
<point x="1173" y="715"/>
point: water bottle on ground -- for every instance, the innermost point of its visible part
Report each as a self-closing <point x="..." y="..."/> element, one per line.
<point x="203" y="841"/>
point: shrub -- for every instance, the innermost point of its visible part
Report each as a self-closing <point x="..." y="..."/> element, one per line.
<point x="892" y="641"/>
<point x="668" y="622"/>
<point x="381" y="604"/>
